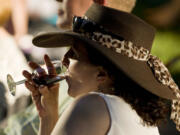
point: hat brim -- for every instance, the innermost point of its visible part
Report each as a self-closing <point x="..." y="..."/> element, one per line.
<point x="138" y="71"/>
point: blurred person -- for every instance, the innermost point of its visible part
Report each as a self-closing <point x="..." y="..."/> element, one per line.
<point x="164" y="15"/>
<point x="42" y="19"/>
<point x="24" y="14"/>
<point x="12" y="61"/>
<point x="69" y="8"/>
<point x="124" y="5"/>
<point x="5" y="11"/>
<point x="106" y="76"/>
<point x="19" y="18"/>
<point x="17" y="23"/>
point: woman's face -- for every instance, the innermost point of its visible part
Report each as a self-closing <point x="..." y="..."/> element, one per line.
<point x="82" y="76"/>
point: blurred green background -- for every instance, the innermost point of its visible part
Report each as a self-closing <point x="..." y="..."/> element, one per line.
<point x="164" y="15"/>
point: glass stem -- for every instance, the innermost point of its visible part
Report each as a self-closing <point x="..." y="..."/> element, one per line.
<point x="20" y="82"/>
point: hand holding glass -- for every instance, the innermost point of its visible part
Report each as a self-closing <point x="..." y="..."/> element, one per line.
<point x="45" y="81"/>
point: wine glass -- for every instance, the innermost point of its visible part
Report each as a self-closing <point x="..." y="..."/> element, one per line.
<point x="45" y="81"/>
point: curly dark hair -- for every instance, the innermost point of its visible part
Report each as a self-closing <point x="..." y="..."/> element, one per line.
<point x="152" y="109"/>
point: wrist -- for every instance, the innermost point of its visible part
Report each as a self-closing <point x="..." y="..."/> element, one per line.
<point x="49" y="119"/>
<point x="47" y="124"/>
<point x="50" y="116"/>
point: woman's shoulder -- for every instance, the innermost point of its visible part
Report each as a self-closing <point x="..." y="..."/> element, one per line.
<point x="92" y="96"/>
<point x="92" y="102"/>
<point x="95" y="110"/>
<point x="88" y="114"/>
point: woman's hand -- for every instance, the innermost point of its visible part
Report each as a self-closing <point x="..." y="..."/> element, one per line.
<point x="44" y="97"/>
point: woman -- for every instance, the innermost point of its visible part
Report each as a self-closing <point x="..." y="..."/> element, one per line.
<point x="119" y="87"/>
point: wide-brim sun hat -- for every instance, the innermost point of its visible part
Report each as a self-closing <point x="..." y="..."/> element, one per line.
<point x="122" y="26"/>
<point x="126" y="40"/>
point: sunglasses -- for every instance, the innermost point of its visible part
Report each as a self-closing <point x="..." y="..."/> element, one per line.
<point x="81" y="25"/>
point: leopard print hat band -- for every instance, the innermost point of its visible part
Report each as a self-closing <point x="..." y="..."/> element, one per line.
<point x="139" y="53"/>
<point x="160" y="71"/>
<point x="97" y="33"/>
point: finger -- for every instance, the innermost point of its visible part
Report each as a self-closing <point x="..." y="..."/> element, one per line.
<point x="37" y="68"/>
<point x="50" y="67"/>
<point x="44" y="90"/>
<point x="27" y="75"/>
<point x="30" y="86"/>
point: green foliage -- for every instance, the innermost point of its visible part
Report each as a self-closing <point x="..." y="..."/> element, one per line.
<point x="167" y="46"/>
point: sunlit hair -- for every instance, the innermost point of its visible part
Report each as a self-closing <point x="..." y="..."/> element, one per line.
<point x="151" y="108"/>
<point x="5" y="11"/>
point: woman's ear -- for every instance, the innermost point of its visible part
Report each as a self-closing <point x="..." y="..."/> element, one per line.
<point x="102" y="75"/>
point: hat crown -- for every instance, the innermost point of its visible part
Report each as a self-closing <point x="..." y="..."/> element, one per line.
<point x="123" y="24"/>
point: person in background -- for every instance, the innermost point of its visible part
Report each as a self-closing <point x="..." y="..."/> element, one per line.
<point x="12" y="61"/>
<point x="165" y="15"/>
<point x="17" y="21"/>
<point x="28" y="9"/>
<point x="26" y="18"/>
<point x="5" y="11"/>
<point x="19" y="18"/>
<point x="69" y="8"/>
